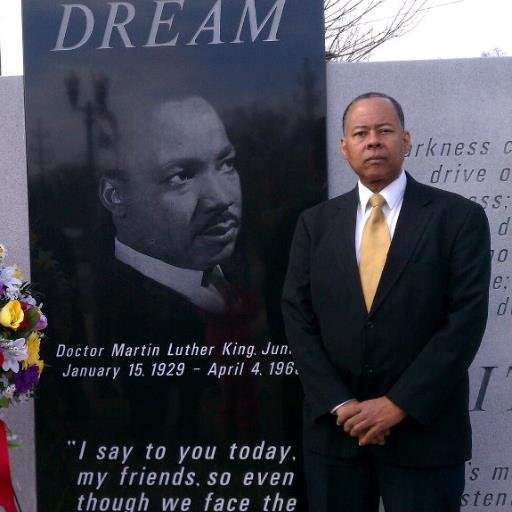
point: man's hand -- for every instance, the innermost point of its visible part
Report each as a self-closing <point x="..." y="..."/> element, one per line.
<point x="346" y="411"/>
<point x="371" y="420"/>
<point x="349" y="410"/>
<point x="379" y="438"/>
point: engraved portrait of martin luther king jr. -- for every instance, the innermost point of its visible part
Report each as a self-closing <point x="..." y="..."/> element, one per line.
<point x="174" y="194"/>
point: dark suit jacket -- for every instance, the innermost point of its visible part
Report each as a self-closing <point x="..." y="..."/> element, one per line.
<point x="416" y="343"/>
<point x="137" y="310"/>
<point x="140" y="310"/>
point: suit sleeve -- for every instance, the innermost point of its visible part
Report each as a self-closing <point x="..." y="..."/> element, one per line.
<point x="322" y="385"/>
<point x="445" y="359"/>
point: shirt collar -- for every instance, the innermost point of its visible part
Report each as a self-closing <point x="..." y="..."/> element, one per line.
<point x="182" y="280"/>
<point x="393" y="193"/>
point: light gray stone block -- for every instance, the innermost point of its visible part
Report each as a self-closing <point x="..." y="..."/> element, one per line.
<point x="14" y="234"/>
<point x="465" y="105"/>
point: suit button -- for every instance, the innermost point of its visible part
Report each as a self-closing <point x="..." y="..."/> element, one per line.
<point x="369" y="325"/>
<point x="368" y="369"/>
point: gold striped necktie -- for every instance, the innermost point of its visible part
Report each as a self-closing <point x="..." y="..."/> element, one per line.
<point x="375" y="244"/>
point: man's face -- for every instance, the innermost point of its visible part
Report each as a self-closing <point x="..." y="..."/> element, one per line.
<point x="183" y="201"/>
<point x="374" y="143"/>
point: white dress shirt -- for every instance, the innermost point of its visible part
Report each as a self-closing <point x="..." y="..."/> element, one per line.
<point x="394" y="196"/>
<point x="184" y="281"/>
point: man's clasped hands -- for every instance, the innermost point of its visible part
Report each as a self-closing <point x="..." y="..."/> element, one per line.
<point x="370" y="420"/>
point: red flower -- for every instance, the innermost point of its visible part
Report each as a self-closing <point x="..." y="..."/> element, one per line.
<point x="25" y="323"/>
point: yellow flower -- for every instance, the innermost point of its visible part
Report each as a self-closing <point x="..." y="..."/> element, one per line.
<point x="11" y="315"/>
<point x="33" y="343"/>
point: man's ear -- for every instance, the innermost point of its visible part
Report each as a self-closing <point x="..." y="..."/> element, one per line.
<point x="407" y="142"/>
<point x="111" y="197"/>
<point x="343" y="149"/>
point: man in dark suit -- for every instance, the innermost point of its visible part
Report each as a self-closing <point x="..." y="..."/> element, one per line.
<point x="384" y="363"/>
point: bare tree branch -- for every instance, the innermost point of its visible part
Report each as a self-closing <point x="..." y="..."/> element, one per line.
<point x="495" y="52"/>
<point x="350" y="32"/>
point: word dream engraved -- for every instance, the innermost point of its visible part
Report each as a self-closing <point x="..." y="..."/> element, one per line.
<point x="162" y="31"/>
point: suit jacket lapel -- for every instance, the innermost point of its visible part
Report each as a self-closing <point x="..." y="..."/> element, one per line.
<point x="410" y="226"/>
<point x="343" y="243"/>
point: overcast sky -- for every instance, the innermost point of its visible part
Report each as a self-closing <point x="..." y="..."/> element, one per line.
<point x="453" y="29"/>
<point x="448" y="29"/>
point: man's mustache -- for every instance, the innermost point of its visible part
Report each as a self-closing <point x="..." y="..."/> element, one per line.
<point x="221" y="221"/>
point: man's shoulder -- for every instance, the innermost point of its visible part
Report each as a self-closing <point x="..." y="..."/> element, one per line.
<point x="133" y="288"/>
<point x="329" y="208"/>
<point x="443" y="198"/>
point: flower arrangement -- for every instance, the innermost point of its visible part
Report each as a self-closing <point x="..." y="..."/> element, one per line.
<point x="21" y="323"/>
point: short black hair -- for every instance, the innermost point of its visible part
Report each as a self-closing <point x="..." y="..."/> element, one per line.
<point x="398" y="108"/>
